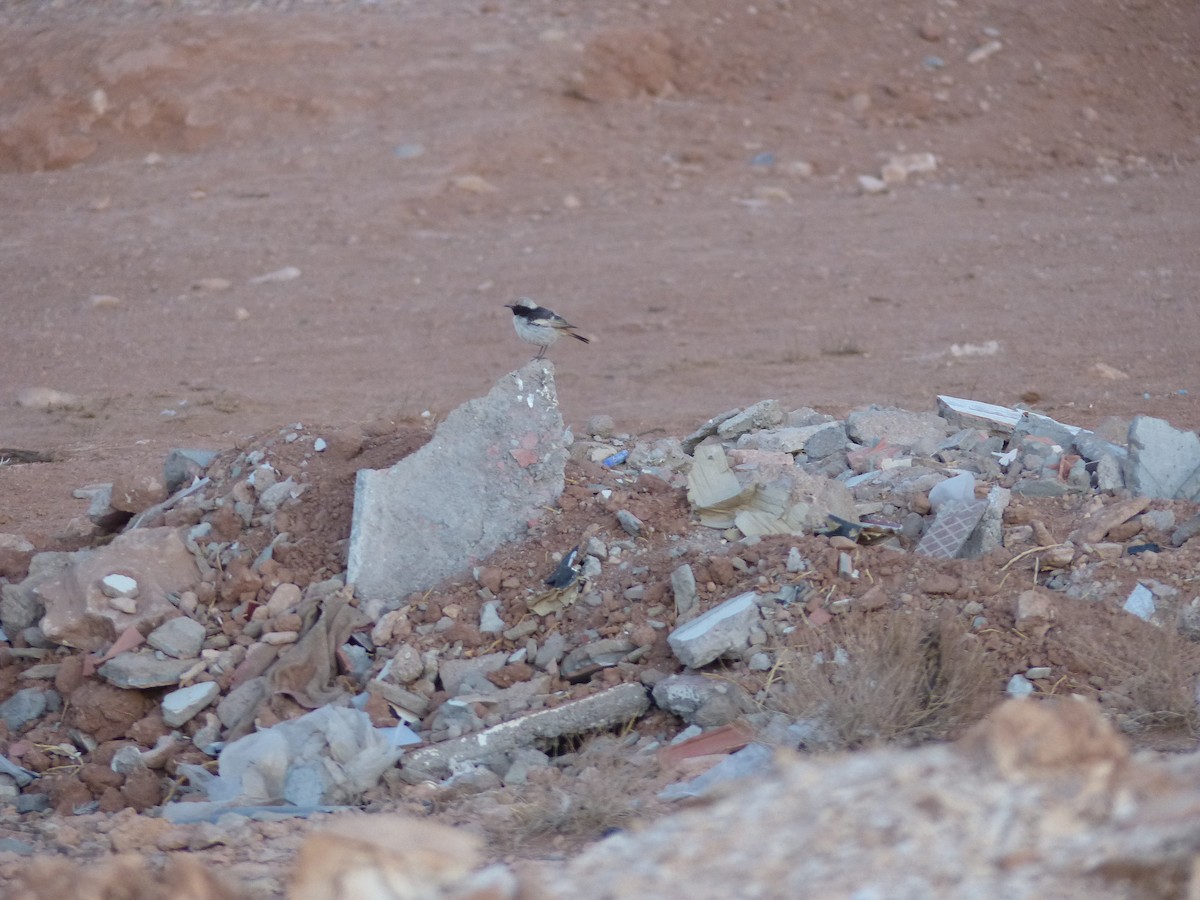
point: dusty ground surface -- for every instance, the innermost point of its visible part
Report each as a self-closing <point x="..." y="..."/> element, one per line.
<point x="679" y="180"/>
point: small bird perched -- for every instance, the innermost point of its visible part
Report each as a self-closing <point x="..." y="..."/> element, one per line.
<point x="539" y="326"/>
<point x="567" y="571"/>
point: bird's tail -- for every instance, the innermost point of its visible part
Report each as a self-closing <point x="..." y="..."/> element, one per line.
<point x="579" y="337"/>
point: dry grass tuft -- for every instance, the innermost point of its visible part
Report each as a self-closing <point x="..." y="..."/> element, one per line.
<point x="557" y="814"/>
<point x="1149" y="673"/>
<point x="892" y="677"/>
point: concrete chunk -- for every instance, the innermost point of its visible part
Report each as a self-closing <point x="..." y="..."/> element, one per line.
<point x="764" y="414"/>
<point x="490" y="468"/>
<point x="141" y="671"/>
<point x="1163" y="462"/>
<point x="181" y="706"/>
<point x="723" y="629"/>
<point x="598" y="712"/>
<point x="180" y="637"/>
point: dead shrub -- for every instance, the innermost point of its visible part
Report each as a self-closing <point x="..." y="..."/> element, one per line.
<point x="890" y="677"/>
<point x="604" y="792"/>
<point x="1148" y="674"/>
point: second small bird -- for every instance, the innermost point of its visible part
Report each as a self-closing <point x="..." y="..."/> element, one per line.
<point x="539" y="326"/>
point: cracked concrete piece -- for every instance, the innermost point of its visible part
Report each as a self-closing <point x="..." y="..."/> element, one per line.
<point x="490" y="468"/>
<point x="723" y="629"/>
<point x="181" y="706"/>
<point x="615" y="706"/>
<point x="1163" y="461"/>
<point x="951" y="528"/>
<point x="919" y="431"/>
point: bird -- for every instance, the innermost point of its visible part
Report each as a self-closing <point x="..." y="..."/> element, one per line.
<point x="540" y="326"/>
<point x="567" y="571"/>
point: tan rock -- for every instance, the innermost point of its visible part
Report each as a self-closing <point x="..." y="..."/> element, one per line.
<point x="1096" y="526"/>
<point x="15" y="554"/>
<point x="357" y="855"/>
<point x="134" y="493"/>
<point x="77" y="612"/>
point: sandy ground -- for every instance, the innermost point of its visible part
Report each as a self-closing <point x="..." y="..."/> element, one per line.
<point x="680" y="180"/>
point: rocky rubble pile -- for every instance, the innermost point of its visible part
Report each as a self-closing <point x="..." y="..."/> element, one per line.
<point x="700" y="595"/>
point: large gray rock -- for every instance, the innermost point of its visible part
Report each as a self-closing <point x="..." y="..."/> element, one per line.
<point x="725" y="628"/>
<point x="707" y="702"/>
<point x="1163" y="462"/>
<point x="22" y="708"/>
<point x="921" y="432"/>
<point x="489" y="469"/>
<point x="79" y="615"/>
<point x="141" y="671"/>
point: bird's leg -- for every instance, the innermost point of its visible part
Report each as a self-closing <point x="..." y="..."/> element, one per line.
<point x="541" y="353"/>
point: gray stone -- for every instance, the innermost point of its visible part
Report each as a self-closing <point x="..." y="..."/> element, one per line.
<point x="459" y="675"/>
<point x="23" y="707"/>
<point x="920" y="432"/>
<point x="616" y="706"/>
<point x="101" y="511"/>
<point x="723" y="629"/>
<point x="523" y="761"/>
<point x="78" y="614"/>
<point x="1093" y="448"/>
<point x="705" y="431"/>
<point x="764" y="414"/>
<point x="142" y="671"/>
<point x="491" y="467"/>
<point x="815" y="441"/>
<point x="279" y="493"/>
<point x="181" y="637"/>
<point x="1164" y="462"/>
<point x="1044" y="427"/>
<point x="600" y="426"/>
<point x="707" y="702"/>
<point x="20" y="776"/>
<point x="826" y="440"/>
<point x="20" y="606"/>
<point x="629" y="522"/>
<point x="489" y="618"/>
<point x="127" y="760"/>
<point x="181" y="466"/>
<point x="115" y="585"/>
<point x="988" y="535"/>
<point x="1019" y="686"/>
<point x="181" y="706"/>
<point x="1140" y="602"/>
<point x="32" y="803"/>
<point x="593" y="656"/>
<point x="241" y="701"/>
<point x="16" y="553"/>
<point x="405" y="666"/>
<point x="1186" y="531"/>
<point x="18" y="846"/>
<point x="683" y="587"/>
<point x="752" y="761"/>
<point x="1110" y="474"/>
<point x="551" y="651"/>
<point x="1040" y="487"/>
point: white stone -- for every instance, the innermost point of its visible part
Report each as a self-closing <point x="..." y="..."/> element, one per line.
<point x="119" y="586"/>
<point x="179" y="707"/>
